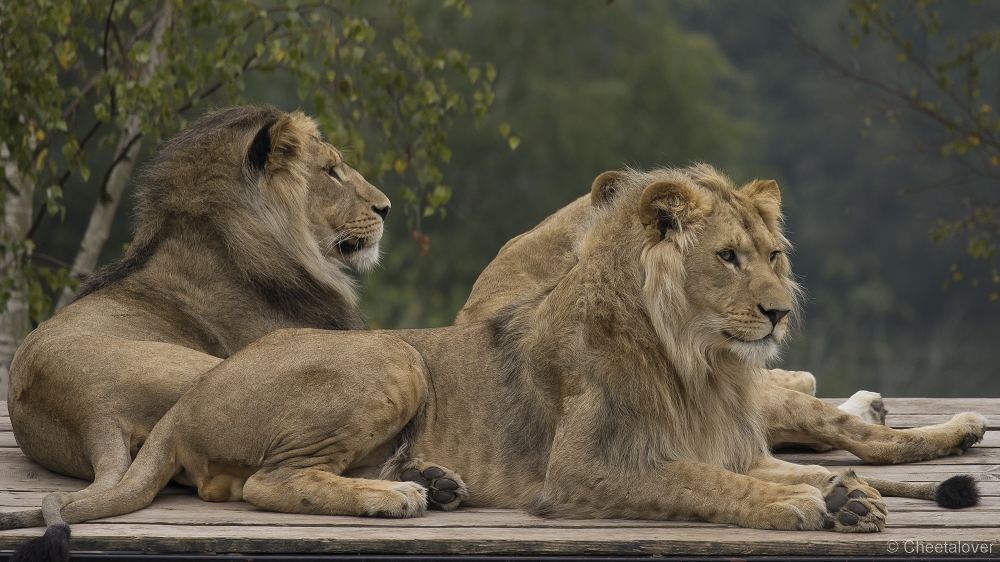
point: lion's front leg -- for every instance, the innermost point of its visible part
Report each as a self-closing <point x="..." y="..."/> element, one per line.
<point x="680" y="490"/>
<point x="854" y="506"/>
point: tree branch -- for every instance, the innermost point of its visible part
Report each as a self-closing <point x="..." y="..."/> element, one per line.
<point x="904" y="97"/>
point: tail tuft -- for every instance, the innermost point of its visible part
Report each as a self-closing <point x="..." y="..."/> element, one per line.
<point x="957" y="492"/>
<point x="53" y="546"/>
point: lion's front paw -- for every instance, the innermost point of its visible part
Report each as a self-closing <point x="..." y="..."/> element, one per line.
<point x="445" y="487"/>
<point x="853" y="505"/>
<point x="867" y="406"/>
<point x="971" y="428"/>
<point x="403" y="499"/>
<point x="799" y="508"/>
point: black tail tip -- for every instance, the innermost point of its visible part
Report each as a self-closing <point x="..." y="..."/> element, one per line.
<point x="53" y="546"/>
<point x="957" y="492"/>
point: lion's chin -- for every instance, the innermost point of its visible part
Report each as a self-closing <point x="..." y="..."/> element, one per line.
<point x="757" y="352"/>
<point x="363" y="258"/>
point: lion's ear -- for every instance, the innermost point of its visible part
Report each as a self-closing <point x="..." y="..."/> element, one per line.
<point x="280" y="142"/>
<point x="671" y="208"/>
<point x="605" y="186"/>
<point x="766" y="197"/>
<point x="260" y="148"/>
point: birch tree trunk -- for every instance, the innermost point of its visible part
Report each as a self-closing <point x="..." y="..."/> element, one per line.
<point x="124" y="159"/>
<point x="15" y="323"/>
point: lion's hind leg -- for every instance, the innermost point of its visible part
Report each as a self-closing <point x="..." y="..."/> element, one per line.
<point x="793" y="417"/>
<point x="316" y="491"/>
<point x="799" y="381"/>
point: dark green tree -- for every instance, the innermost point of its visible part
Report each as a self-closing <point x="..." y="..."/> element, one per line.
<point x="587" y="87"/>
<point x="941" y="85"/>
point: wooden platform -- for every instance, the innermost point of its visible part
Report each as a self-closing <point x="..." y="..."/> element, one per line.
<point x="178" y="522"/>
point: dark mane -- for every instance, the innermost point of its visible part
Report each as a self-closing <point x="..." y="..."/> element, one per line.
<point x="133" y="260"/>
<point x="156" y="184"/>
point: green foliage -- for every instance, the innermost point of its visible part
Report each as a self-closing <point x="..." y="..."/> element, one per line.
<point x="941" y="89"/>
<point x="74" y="72"/>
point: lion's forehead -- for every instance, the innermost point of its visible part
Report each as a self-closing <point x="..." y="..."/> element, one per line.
<point x="324" y="151"/>
<point x="742" y="226"/>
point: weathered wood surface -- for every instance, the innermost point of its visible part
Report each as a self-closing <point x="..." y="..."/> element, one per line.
<point x="179" y="522"/>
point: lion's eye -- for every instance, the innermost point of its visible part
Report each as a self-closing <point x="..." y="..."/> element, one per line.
<point x="332" y="171"/>
<point x="774" y="255"/>
<point x="729" y="256"/>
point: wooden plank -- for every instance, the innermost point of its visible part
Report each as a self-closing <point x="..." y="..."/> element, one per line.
<point x="15" y="500"/>
<point x="698" y="539"/>
<point x="975" y="455"/>
<point x="928" y="472"/>
<point x="17" y="473"/>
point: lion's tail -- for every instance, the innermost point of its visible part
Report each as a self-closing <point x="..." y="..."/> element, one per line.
<point x="154" y="466"/>
<point x="954" y="493"/>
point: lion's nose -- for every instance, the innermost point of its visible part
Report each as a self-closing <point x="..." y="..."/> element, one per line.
<point x="775" y="314"/>
<point x="381" y="211"/>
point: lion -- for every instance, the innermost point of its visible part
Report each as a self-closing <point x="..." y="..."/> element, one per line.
<point x="244" y="223"/>
<point x="632" y="388"/>
<point x="533" y="263"/>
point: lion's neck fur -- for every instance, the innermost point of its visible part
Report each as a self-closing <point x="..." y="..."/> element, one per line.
<point x="194" y="270"/>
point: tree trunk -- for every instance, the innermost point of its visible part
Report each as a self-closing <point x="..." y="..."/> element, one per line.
<point x="124" y="159"/>
<point x="15" y="323"/>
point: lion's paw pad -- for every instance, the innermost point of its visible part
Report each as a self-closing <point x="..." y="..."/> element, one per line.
<point x="445" y="488"/>
<point x="853" y="511"/>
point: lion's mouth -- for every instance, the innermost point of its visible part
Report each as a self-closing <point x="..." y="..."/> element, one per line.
<point x="350" y="246"/>
<point x="765" y="339"/>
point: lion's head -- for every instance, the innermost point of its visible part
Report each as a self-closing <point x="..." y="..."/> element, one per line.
<point x="309" y="178"/>
<point x="282" y="203"/>
<point x="711" y="260"/>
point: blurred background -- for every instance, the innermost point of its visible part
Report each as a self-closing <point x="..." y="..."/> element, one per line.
<point x="591" y="85"/>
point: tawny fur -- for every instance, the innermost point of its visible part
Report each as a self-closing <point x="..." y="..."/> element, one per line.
<point x="237" y="229"/>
